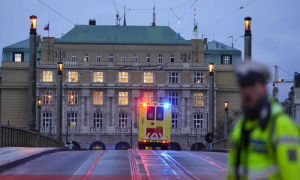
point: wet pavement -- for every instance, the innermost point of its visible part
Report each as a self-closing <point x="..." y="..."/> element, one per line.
<point x="115" y="164"/>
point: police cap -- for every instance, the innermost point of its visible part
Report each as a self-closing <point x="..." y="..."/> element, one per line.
<point x="251" y="72"/>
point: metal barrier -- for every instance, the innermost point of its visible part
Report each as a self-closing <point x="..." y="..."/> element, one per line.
<point x="16" y="137"/>
<point x="221" y="144"/>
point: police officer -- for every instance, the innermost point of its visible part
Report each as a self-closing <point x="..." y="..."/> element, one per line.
<point x="266" y="142"/>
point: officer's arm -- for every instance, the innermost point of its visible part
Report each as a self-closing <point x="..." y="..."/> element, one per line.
<point x="231" y="159"/>
<point x="287" y="144"/>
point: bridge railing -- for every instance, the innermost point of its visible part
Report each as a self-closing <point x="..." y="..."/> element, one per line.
<point x="222" y="144"/>
<point x="16" y="137"/>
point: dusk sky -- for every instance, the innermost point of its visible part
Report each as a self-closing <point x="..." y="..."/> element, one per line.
<point x="275" y="23"/>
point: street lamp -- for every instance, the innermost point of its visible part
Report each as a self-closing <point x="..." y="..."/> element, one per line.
<point x="39" y="102"/>
<point x="59" y="101"/>
<point x="248" y="39"/>
<point x="211" y="98"/>
<point x="33" y="23"/>
<point x="226" y="120"/>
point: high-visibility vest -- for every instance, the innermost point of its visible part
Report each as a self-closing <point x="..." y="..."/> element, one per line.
<point x="272" y="153"/>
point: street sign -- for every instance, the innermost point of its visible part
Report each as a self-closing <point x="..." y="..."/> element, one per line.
<point x="140" y="69"/>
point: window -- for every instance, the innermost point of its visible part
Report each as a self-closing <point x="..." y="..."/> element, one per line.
<point x="160" y="58"/>
<point x="73" y="57"/>
<point x="47" y="97"/>
<point x="198" y="78"/>
<point x="61" y="56"/>
<point x="122" y="120"/>
<point x="123" y="77"/>
<point x="98" y="97"/>
<point x="148" y="77"/>
<point x="47" y="118"/>
<point x="173" y="98"/>
<point x="198" y="121"/>
<point x="174" y="120"/>
<point x="47" y="76"/>
<point x="123" y="98"/>
<point x="97" y="120"/>
<point x="72" y="96"/>
<point x="198" y="99"/>
<point x="172" y="58"/>
<point x="72" y="118"/>
<point x="135" y="58"/>
<point x="173" y="77"/>
<point x="73" y="76"/>
<point x="98" y="57"/>
<point x="123" y="57"/>
<point x="148" y="58"/>
<point x="111" y="57"/>
<point x="148" y="97"/>
<point x="226" y="59"/>
<point x="98" y="76"/>
<point x="86" y="57"/>
<point x="18" y="57"/>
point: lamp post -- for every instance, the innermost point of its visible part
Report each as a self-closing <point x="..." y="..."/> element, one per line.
<point x="211" y="98"/>
<point x="31" y="118"/>
<point x="59" y="102"/>
<point x="248" y="39"/>
<point x="39" y="122"/>
<point x="226" y="120"/>
<point x="131" y="133"/>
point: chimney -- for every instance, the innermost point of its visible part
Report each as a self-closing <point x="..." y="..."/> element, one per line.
<point x="92" y="22"/>
<point x="205" y="41"/>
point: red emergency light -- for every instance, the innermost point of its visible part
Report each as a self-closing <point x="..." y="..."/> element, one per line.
<point x="144" y="104"/>
<point x="143" y="140"/>
<point x="165" y="142"/>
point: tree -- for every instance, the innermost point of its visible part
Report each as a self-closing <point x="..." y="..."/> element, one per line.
<point x="233" y="115"/>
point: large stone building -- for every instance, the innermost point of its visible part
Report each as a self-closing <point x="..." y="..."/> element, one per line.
<point x="109" y="70"/>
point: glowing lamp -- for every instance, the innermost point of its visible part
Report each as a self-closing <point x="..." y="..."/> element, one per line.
<point x="248" y="24"/>
<point x="144" y="104"/>
<point x="39" y="101"/>
<point x="166" y="105"/>
<point x="226" y="104"/>
<point x="211" y="67"/>
<point x="33" y="22"/>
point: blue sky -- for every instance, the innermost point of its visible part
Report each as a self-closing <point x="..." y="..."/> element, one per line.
<point x="275" y="23"/>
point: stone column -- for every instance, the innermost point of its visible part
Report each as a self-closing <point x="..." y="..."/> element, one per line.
<point x="85" y="96"/>
<point x="111" y="94"/>
<point x="186" y="95"/>
<point x="135" y="96"/>
<point x="183" y="112"/>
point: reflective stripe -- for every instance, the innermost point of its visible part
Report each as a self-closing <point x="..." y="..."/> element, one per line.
<point x="241" y="170"/>
<point x="287" y="139"/>
<point x="263" y="174"/>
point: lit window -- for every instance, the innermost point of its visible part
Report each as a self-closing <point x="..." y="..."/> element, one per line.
<point x="98" y="76"/>
<point x="98" y="120"/>
<point x="73" y="57"/>
<point x="98" y="98"/>
<point x="72" y="118"/>
<point x="47" y="76"/>
<point x="148" y="97"/>
<point x="160" y="58"/>
<point x="111" y="57"/>
<point x="123" y="77"/>
<point x="123" y="57"/>
<point x="148" y="77"/>
<point x="173" y="98"/>
<point x="226" y="60"/>
<point x="198" y="99"/>
<point x="47" y="118"/>
<point x="18" y="57"/>
<point x="172" y="58"/>
<point x="123" y="98"/>
<point x="198" y="121"/>
<point x="135" y="58"/>
<point x="122" y="120"/>
<point x="173" y="77"/>
<point x="148" y="58"/>
<point x="47" y="97"/>
<point x="73" y="76"/>
<point x="98" y="57"/>
<point x="174" y="120"/>
<point x="198" y="78"/>
<point x="73" y="96"/>
<point x="86" y="57"/>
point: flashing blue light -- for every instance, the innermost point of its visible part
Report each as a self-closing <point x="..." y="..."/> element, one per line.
<point x="166" y="105"/>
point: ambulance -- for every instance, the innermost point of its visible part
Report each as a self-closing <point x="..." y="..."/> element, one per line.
<point x="154" y="126"/>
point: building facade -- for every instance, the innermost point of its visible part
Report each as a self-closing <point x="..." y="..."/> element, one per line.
<point x="109" y="70"/>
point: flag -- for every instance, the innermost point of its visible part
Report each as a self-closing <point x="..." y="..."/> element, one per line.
<point x="46" y="27"/>
<point x="195" y="28"/>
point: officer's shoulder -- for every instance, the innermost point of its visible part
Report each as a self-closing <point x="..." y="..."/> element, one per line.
<point x="237" y="124"/>
<point x="284" y="124"/>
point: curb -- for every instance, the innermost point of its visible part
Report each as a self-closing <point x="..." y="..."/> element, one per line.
<point x="27" y="159"/>
<point x="222" y="151"/>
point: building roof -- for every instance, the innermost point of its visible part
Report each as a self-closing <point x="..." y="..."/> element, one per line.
<point x="105" y="34"/>
<point x="20" y="45"/>
<point x="217" y="46"/>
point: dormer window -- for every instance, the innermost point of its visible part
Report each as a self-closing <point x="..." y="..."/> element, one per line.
<point x="18" y="57"/>
<point x="226" y="59"/>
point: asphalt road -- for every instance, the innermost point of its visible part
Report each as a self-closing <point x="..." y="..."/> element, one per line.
<point x="117" y="165"/>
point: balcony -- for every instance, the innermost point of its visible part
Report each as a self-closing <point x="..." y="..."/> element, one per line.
<point x="122" y="130"/>
<point x="48" y="130"/>
<point x="97" y="129"/>
<point x="201" y="131"/>
<point x="175" y="130"/>
<point x="128" y="65"/>
<point x="72" y="130"/>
